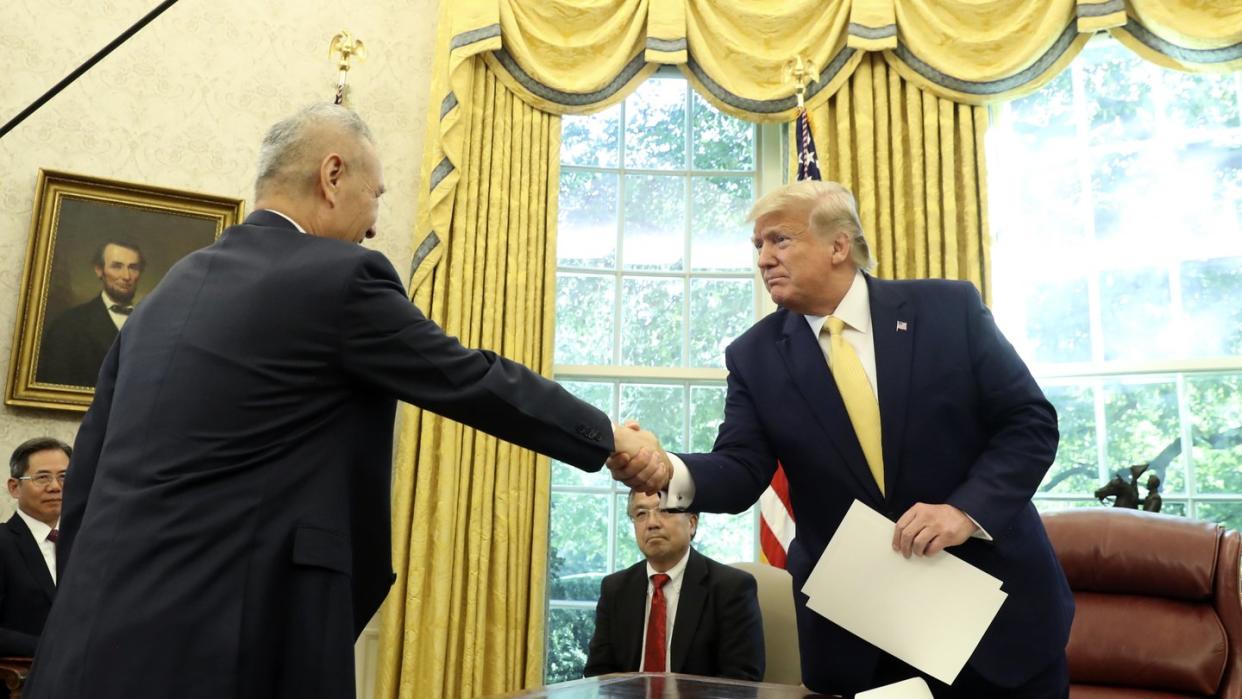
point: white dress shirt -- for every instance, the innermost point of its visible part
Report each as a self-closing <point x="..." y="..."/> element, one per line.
<point x="39" y="531"/>
<point x="672" y="590"/>
<point x="118" y="319"/>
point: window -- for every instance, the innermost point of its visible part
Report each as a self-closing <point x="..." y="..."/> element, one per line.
<point x="655" y="277"/>
<point x="1116" y="202"/>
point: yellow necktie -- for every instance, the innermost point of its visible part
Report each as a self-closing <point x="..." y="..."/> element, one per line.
<point x="860" y="400"/>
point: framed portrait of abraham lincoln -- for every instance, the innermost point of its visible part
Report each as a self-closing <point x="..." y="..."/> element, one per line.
<point x="97" y="248"/>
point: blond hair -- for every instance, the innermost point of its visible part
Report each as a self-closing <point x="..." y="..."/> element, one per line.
<point x="830" y="208"/>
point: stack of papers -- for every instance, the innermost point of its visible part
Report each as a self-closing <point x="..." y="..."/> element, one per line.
<point x="929" y="611"/>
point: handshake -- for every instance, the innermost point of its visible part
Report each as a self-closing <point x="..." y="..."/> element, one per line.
<point x="638" y="460"/>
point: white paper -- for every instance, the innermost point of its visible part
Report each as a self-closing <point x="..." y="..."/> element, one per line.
<point x="913" y="688"/>
<point x="929" y="611"/>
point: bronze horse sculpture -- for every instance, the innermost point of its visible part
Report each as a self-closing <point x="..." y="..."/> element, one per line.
<point x="1127" y="494"/>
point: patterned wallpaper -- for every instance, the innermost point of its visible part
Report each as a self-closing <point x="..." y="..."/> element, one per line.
<point x="184" y="103"/>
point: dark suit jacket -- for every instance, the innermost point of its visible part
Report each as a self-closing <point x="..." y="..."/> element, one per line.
<point x="26" y="590"/>
<point x="718" y="630"/>
<point x="225" y="527"/>
<point x="75" y="344"/>
<point x="962" y="422"/>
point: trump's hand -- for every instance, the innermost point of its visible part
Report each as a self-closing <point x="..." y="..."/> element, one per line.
<point x="639" y="462"/>
<point x="925" y="530"/>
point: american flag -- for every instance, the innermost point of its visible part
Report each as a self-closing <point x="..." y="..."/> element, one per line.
<point x="776" y="521"/>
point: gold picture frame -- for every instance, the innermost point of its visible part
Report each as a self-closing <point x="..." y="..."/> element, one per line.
<point x="63" y="317"/>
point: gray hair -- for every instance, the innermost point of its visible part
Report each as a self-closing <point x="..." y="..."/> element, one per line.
<point x="830" y="206"/>
<point x="289" y="144"/>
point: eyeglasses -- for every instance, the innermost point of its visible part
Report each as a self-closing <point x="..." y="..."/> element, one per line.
<point x="641" y="514"/>
<point x="43" y="480"/>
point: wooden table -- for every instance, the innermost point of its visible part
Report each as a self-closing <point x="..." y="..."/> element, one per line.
<point x="649" y="685"/>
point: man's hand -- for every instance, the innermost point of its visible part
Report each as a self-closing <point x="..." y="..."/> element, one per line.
<point x="925" y="530"/>
<point x="638" y="461"/>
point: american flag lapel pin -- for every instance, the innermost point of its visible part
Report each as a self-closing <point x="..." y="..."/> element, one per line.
<point x="902" y="327"/>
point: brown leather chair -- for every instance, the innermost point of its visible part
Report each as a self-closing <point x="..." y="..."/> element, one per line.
<point x="1158" y="607"/>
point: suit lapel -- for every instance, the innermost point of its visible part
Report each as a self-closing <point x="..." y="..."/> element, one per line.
<point x="690" y="603"/>
<point x="805" y="361"/>
<point x="893" y="328"/>
<point x="632" y="611"/>
<point x="31" y="555"/>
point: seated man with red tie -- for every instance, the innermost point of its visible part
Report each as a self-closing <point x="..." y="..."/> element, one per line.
<point x="677" y="610"/>
<point x="28" y="543"/>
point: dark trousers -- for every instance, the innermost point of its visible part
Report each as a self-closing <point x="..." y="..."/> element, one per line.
<point x="1050" y="683"/>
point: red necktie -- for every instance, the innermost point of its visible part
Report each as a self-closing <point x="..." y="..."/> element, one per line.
<point x="657" y="626"/>
<point x="53" y="535"/>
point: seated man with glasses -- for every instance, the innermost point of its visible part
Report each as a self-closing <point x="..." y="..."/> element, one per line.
<point x="28" y="544"/>
<point x="677" y="610"/>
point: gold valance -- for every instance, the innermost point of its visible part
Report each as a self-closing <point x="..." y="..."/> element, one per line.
<point x="579" y="56"/>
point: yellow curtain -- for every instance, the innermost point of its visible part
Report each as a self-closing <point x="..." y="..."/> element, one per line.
<point x="915" y="163"/>
<point x="465" y="617"/>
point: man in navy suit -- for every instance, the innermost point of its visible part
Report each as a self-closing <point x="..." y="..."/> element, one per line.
<point x="226" y="518"/>
<point x="708" y="611"/>
<point x="961" y="439"/>
<point x="75" y="343"/>
<point x="28" y="545"/>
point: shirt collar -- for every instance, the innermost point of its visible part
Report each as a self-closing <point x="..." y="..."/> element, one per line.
<point x="854" y="309"/>
<point x="39" y="529"/>
<point x="285" y="217"/>
<point x="674" y="573"/>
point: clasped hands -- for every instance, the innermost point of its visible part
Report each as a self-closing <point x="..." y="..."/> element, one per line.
<point x="638" y="461"/>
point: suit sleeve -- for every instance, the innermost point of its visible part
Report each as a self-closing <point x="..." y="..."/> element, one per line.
<point x="1021" y="423"/>
<point x="741" y="464"/>
<point x="602" y="657"/>
<point x="741" y="631"/>
<point x="86" y="450"/>
<point x="390" y="345"/>
<point x="13" y="643"/>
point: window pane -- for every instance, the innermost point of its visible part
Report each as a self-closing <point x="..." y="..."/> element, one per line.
<point x="1075" y="469"/>
<point x="1058" y="323"/>
<point x="584" y="310"/>
<point x="1118" y="92"/>
<point x="1135" y="312"/>
<point x="655" y="222"/>
<point x="655" y="125"/>
<point x="706" y="414"/>
<point x="1143" y="429"/>
<point x="627" y="545"/>
<point x="1212" y="299"/>
<point x="578" y="558"/>
<point x="1215" y="404"/>
<point x="1128" y="197"/>
<point x="1227" y="513"/>
<point x="721" y="142"/>
<point x="586" y="233"/>
<point x="592" y="141"/>
<point x="723" y="309"/>
<point x="727" y="538"/>
<point x="719" y="235"/>
<point x="598" y="394"/>
<point x="1201" y="100"/>
<point x="652" y="327"/>
<point x="569" y="636"/>
<point x="659" y="408"/>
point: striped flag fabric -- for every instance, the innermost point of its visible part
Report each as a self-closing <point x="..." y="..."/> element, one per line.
<point x="776" y="520"/>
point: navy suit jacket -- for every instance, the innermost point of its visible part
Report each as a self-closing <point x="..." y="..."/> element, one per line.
<point x="75" y="345"/>
<point x="718" y="631"/>
<point x="225" y="529"/>
<point x="26" y="590"/>
<point x="962" y="422"/>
